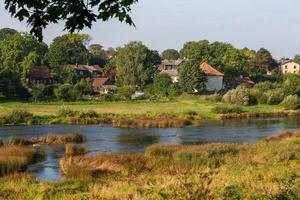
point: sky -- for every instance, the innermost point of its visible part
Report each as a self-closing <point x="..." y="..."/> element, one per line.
<point x="163" y="24"/>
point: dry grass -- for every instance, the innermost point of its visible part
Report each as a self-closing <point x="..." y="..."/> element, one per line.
<point x="74" y="150"/>
<point x="281" y="137"/>
<point x="48" y="139"/>
<point x="16" y="158"/>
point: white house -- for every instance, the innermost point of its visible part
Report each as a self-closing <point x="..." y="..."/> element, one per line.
<point x="213" y="76"/>
<point x="289" y="67"/>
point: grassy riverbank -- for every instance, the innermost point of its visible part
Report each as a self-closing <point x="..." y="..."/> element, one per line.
<point x="269" y="169"/>
<point x="176" y="106"/>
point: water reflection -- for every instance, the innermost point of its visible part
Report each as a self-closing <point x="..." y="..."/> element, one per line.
<point x="109" y="139"/>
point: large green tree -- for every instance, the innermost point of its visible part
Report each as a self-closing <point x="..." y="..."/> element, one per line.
<point x="135" y="64"/>
<point x="191" y="78"/>
<point x="97" y="55"/>
<point x="5" y="33"/>
<point x="170" y="54"/>
<point x="67" y="49"/>
<point x="77" y="14"/>
<point x="20" y="52"/>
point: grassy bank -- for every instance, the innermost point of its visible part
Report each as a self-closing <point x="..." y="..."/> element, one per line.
<point x="176" y="106"/>
<point x="269" y="169"/>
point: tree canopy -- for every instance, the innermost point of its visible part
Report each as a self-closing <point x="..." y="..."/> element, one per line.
<point x="170" y="54"/>
<point x="77" y="14"/>
<point x="135" y="64"/>
<point x="264" y="60"/>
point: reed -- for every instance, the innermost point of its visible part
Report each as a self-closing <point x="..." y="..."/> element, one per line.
<point x="74" y="150"/>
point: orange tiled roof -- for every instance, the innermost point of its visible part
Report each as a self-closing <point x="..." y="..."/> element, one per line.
<point x="99" y="82"/>
<point x="209" y="70"/>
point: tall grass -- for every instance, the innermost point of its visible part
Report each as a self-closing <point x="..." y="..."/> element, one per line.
<point x="16" y="158"/>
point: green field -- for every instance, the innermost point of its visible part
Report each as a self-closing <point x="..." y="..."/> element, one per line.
<point x="178" y="106"/>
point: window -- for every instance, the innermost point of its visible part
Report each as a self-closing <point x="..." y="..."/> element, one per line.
<point x="295" y="67"/>
<point x="286" y="67"/>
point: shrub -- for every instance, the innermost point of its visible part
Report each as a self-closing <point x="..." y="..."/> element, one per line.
<point x="18" y="117"/>
<point x="65" y="92"/>
<point x="214" y="97"/>
<point x="161" y="84"/>
<point x="291" y="102"/>
<point x="125" y="92"/>
<point x="38" y="92"/>
<point x="67" y="112"/>
<point x="265" y="86"/>
<point x="239" y="96"/>
<point x="227" y="109"/>
<point x="73" y="150"/>
<point x="89" y="114"/>
<point x="259" y="95"/>
<point x="84" y="87"/>
<point x="291" y="84"/>
<point x="274" y="97"/>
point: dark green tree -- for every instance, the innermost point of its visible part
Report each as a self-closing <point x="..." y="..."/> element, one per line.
<point x="264" y="61"/>
<point x="5" y="33"/>
<point x="97" y="55"/>
<point x="297" y="58"/>
<point x="170" y="54"/>
<point x="135" y="65"/>
<point x="77" y="14"/>
<point x="191" y="78"/>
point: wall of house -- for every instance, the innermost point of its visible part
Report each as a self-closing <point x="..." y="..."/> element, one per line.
<point x="290" y="67"/>
<point x="214" y="83"/>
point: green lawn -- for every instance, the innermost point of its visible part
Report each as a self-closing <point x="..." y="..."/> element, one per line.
<point x="179" y="105"/>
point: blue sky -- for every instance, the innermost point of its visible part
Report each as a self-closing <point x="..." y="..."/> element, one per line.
<point x="273" y="24"/>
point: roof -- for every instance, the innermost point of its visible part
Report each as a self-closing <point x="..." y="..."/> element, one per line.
<point x="170" y="62"/>
<point x="99" y="82"/>
<point x="209" y="70"/>
<point x="41" y="71"/>
<point x="236" y="81"/>
<point x="289" y="61"/>
<point x="94" y="68"/>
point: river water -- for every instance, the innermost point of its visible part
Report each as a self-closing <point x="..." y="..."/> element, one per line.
<point x="108" y="139"/>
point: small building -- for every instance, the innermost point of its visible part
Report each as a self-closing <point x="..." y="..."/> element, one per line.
<point x="40" y="75"/>
<point x="234" y="82"/>
<point x="103" y="85"/>
<point x="95" y="71"/>
<point x="171" y="67"/>
<point x="214" y="78"/>
<point x="289" y="66"/>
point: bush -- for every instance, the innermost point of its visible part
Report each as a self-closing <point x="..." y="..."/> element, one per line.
<point x="66" y="92"/>
<point x="125" y="92"/>
<point x="73" y="150"/>
<point x="291" y="84"/>
<point x="89" y="114"/>
<point x="227" y="109"/>
<point x="239" y="96"/>
<point x="275" y="97"/>
<point x="67" y="112"/>
<point x="259" y="95"/>
<point x="214" y="97"/>
<point x="265" y="86"/>
<point x="291" y="102"/>
<point x="161" y="84"/>
<point x="84" y="87"/>
<point x="17" y="117"/>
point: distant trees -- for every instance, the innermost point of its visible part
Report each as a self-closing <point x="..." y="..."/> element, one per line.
<point x="135" y="64"/>
<point x="97" y="55"/>
<point x="191" y="78"/>
<point x="5" y="33"/>
<point x="170" y="54"/>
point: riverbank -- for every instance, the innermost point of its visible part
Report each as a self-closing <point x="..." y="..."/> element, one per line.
<point x="268" y="169"/>
<point x="175" y="113"/>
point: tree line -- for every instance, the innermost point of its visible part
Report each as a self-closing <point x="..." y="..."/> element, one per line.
<point x="133" y="65"/>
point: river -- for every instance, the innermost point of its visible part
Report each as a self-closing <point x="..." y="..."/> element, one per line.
<point x="108" y="139"/>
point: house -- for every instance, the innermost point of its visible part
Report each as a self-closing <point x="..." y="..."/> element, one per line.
<point x="233" y="82"/>
<point x="103" y="85"/>
<point x="40" y="75"/>
<point x="95" y="70"/>
<point x="214" y="78"/>
<point x="289" y="66"/>
<point x="171" y="67"/>
<point x="80" y="70"/>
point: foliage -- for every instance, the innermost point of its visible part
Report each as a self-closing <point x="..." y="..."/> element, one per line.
<point x="5" y="33"/>
<point x="77" y="16"/>
<point x="67" y="49"/>
<point x="73" y="150"/>
<point x="291" y="102"/>
<point x="66" y="112"/>
<point x="162" y="84"/>
<point x="125" y="92"/>
<point x="97" y="55"/>
<point x="170" y="54"/>
<point x="17" y="117"/>
<point x="291" y="84"/>
<point x="264" y="60"/>
<point x="89" y="114"/>
<point x="84" y="87"/>
<point x="239" y="96"/>
<point x="135" y="64"/>
<point x="191" y="78"/>
<point x="65" y="92"/>
<point x="227" y="109"/>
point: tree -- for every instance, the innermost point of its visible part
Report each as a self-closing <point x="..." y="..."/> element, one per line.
<point x="10" y="84"/>
<point x="162" y="84"/>
<point x="97" y="55"/>
<point x="77" y="14"/>
<point x="67" y="49"/>
<point x="84" y="87"/>
<point x="5" y="33"/>
<point x="170" y="54"/>
<point x="135" y="65"/>
<point x="264" y="61"/>
<point x="20" y="52"/>
<point x="297" y="58"/>
<point x="191" y="78"/>
<point x="65" y="92"/>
